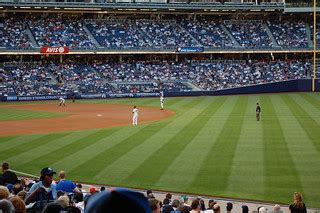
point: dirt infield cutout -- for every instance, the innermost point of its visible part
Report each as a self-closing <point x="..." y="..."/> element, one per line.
<point x="80" y="117"/>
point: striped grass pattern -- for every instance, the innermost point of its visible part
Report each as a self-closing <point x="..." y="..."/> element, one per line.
<point x="7" y="114"/>
<point x="212" y="146"/>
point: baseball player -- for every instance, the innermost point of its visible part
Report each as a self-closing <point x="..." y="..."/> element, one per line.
<point x="135" y="113"/>
<point x="258" y="111"/>
<point x="62" y="101"/>
<point x="161" y="102"/>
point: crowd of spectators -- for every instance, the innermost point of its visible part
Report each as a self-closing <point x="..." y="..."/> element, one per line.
<point x="147" y="76"/>
<point x="13" y="34"/>
<point x="128" y="33"/>
<point x="115" y="34"/>
<point x="166" y="34"/>
<point x="45" y="194"/>
<point x="59" y="31"/>
<point x="289" y="34"/>
<point x="249" y="34"/>
<point x="209" y="33"/>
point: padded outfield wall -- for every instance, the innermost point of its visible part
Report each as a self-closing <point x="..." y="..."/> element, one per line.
<point x="301" y="85"/>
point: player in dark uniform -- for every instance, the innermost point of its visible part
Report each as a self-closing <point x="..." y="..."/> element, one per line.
<point x="258" y="111"/>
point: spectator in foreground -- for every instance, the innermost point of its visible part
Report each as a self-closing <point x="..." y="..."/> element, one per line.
<point x="167" y="207"/>
<point x="216" y="208"/>
<point x="118" y="200"/>
<point x="276" y="209"/>
<point x="195" y="206"/>
<point x="18" y="204"/>
<point x="4" y="192"/>
<point x="245" y="209"/>
<point x="154" y="205"/>
<point x="262" y="210"/>
<point x="8" y="176"/>
<point x="229" y="207"/>
<point x="6" y="206"/>
<point x="65" y="185"/>
<point x="44" y="189"/>
<point x="298" y="205"/>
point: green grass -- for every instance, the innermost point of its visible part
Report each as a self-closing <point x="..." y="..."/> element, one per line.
<point x="212" y="146"/>
<point x="7" y="114"/>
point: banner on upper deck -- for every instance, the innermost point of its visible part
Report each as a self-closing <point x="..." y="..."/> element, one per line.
<point x="54" y="50"/>
<point x="190" y="49"/>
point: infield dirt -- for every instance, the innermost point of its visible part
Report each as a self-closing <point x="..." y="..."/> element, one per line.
<point x="80" y="117"/>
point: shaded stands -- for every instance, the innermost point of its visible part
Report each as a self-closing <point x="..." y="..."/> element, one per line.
<point x="60" y="31"/>
<point x="249" y="34"/>
<point x="13" y="34"/>
<point x="209" y="33"/>
<point x="289" y="34"/>
<point x="117" y="34"/>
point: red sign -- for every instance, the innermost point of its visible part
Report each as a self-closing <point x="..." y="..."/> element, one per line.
<point x="54" y="50"/>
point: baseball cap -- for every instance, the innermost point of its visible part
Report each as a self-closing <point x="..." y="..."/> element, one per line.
<point x="47" y="171"/>
<point x="120" y="199"/>
<point x="92" y="189"/>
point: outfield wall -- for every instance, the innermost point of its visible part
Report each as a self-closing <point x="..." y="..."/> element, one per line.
<point x="300" y="85"/>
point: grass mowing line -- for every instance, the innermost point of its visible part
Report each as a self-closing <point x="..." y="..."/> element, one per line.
<point x="45" y="149"/>
<point x="277" y="159"/>
<point x="90" y="151"/>
<point x="312" y="99"/>
<point x="15" y="150"/>
<point x="307" y="122"/>
<point x="246" y="175"/>
<point x="173" y="147"/>
<point x="9" y="142"/>
<point x="63" y="151"/>
<point x="122" y="149"/>
<point x="178" y="174"/>
<point x="8" y="114"/>
<point x="96" y="148"/>
<point x="218" y="164"/>
<point x="109" y="156"/>
<point x="124" y="165"/>
<point x="304" y="154"/>
<point x="311" y="106"/>
<point x="151" y="130"/>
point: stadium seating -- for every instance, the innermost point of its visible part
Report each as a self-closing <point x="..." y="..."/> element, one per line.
<point x="146" y="76"/>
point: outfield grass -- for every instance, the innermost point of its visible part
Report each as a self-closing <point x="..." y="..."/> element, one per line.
<point x="8" y="114"/>
<point x="212" y="146"/>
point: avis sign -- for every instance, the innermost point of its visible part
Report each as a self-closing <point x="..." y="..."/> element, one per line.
<point x="54" y="50"/>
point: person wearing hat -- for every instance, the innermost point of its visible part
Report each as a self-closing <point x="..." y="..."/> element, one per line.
<point x="44" y="189"/>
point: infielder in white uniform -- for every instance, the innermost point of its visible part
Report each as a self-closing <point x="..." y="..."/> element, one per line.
<point x="135" y="113"/>
<point x="62" y="101"/>
<point x="161" y="102"/>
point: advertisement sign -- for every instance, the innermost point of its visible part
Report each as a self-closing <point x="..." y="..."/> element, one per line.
<point x="54" y="50"/>
<point x="190" y="49"/>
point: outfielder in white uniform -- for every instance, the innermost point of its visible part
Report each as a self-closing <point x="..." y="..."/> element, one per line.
<point x="135" y="113"/>
<point x="161" y="102"/>
<point x="62" y="101"/>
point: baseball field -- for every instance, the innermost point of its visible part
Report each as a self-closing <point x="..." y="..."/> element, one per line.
<point x="199" y="145"/>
